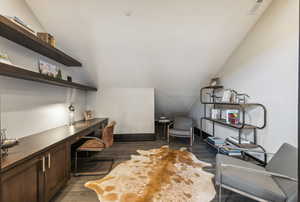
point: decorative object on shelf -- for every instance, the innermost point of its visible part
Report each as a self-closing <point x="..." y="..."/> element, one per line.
<point x="21" y="23"/>
<point x="232" y="116"/>
<point x="214" y="81"/>
<point x="48" y="38"/>
<point x="242" y="98"/>
<point x="4" y="58"/>
<point x="88" y="115"/>
<point x="215" y="113"/>
<point x="233" y="97"/>
<point x="59" y="75"/>
<point x="48" y="69"/>
<point x="6" y="143"/>
<point x="227" y="95"/>
<point x="69" y="78"/>
<point x="71" y="114"/>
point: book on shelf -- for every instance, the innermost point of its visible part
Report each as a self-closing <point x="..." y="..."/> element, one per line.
<point x="228" y="150"/>
<point x="235" y="141"/>
<point x="216" y="140"/>
<point x="21" y="23"/>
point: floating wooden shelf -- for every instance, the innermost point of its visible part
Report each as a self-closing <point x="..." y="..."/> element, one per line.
<point x="20" y="35"/>
<point x="19" y="73"/>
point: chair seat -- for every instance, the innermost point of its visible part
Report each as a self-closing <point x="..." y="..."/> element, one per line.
<point x="92" y="145"/>
<point x="259" y="185"/>
<point x="180" y="133"/>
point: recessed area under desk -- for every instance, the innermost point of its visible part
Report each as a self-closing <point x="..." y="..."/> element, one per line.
<point x="40" y="164"/>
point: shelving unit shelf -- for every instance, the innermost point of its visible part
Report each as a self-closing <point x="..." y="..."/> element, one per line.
<point x="19" y="35"/>
<point x="237" y="126"/>
<point x="20" y="73"/>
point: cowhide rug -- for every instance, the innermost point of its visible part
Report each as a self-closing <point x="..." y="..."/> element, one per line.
<point x="157" y="175"/>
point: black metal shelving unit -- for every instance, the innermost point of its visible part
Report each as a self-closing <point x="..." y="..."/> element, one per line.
<point x="242" y="125"/>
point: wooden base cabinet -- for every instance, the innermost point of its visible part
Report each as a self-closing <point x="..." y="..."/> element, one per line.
<point x="39" y="179"/>
<point x="24" y="182"/>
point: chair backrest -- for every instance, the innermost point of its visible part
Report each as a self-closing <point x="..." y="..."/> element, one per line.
<point x="183" y="123"/>
<point x="285" y="162"/>
<point x="108" y="134"/>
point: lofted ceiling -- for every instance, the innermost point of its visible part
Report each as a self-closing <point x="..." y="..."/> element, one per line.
<point x="174" y="46"/>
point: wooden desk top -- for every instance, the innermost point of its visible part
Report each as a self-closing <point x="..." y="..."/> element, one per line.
<point x="35" y="144"/>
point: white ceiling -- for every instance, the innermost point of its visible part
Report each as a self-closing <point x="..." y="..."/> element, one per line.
<point x="174" y="46"/>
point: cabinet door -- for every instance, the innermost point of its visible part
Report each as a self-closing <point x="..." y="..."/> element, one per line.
<point x="56" y="174"/>
<point x="24" y="182"/>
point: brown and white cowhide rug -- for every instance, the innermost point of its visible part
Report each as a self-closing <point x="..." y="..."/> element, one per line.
<point x="157" y="175"/>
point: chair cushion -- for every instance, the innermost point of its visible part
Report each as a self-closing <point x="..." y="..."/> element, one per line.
<point x="179" y="133"/>
<point x="92" y="144"/>
<point x="256" y="184"/>
<point x="183" y="123"/>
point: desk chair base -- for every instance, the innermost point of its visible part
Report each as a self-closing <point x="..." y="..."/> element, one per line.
<point x="93" y="173"/>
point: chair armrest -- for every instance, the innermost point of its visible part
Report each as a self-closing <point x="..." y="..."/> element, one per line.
<point x="262" y="172"/>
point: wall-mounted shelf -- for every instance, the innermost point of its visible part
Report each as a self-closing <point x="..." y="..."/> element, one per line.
<point x="19" y="35"/>
<point x="19" y="73"/>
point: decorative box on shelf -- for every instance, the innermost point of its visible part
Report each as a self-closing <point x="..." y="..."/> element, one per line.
<point x="48" y="38"/>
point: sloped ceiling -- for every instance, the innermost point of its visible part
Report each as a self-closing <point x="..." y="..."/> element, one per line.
<point x="174" y="46"/>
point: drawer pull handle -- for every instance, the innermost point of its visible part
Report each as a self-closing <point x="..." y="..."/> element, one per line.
<point x="49" y="160"/>
<point x="43" y="160"/>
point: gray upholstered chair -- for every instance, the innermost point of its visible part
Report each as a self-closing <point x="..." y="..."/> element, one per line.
<point x="276" y="182"/>
<point x="183" y="127"/>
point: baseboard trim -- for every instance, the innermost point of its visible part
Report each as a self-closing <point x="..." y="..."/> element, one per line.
<point x="199" y="132"/>
<point x="134" y="137"/>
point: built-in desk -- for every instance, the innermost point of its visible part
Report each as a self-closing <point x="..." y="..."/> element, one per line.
<point x="40" y="164"/>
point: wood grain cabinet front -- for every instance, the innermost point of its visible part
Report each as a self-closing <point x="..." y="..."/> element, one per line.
<point x="24" y="182"/>
<point x="56" y="174"/>
<point x="38" y="179"/>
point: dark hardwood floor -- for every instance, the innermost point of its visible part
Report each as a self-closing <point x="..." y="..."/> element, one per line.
<point x="121" y="151"/>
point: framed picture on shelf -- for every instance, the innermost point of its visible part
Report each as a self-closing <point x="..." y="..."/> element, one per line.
<point x="88" y="115"/>
<point x="48" y="69"/>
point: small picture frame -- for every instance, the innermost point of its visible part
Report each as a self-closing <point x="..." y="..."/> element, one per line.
<point x="48" y="69"/>
<point x="88" y="115"/>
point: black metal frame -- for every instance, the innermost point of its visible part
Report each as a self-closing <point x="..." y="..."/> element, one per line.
<point x="241" y="126"/>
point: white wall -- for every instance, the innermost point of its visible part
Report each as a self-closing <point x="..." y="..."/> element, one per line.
<point x="265" y="66"/>
<point x="170" y="45"/>
<point x="131" y="108"/>
<point x="29" y="107"/>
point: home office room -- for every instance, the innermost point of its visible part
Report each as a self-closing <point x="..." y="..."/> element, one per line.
<point x="137" y="101"/>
